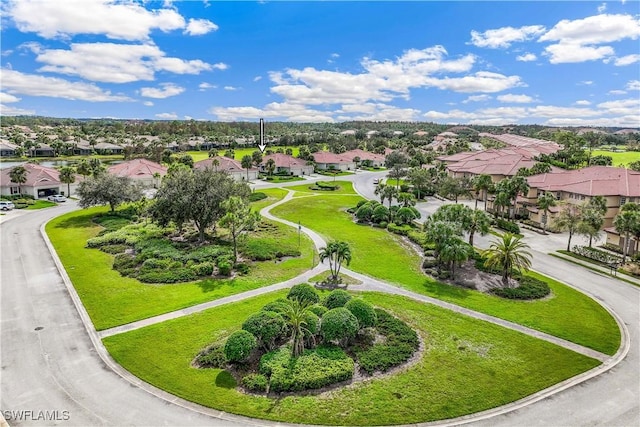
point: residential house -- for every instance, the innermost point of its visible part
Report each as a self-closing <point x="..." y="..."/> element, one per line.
<point x="41" y="182"/>
<point x="143" y="171"/>
<point x="374" y="160"/>
<point x="7" y="149"/>
<point x="108" y="148"/>
<point x="286" y="163"/>
<point x="230" y="166"/>
<point x="326" y="160"/>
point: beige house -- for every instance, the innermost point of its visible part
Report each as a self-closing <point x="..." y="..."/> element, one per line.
<point x="230" y="166"/>
<point x="41" y="182"/>
<point x="326" y="160"/>
<point x="288" y="164"/>
<point x="143" y="171"/>
<point x="373" y="159"/>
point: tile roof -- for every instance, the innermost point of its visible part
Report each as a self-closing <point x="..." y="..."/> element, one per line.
<point x="328" y="157"/>
<point x="591" y="181"/>
<point x="137" y="168"/>
<point x="364" y="155"/>
<point x="225" y="164"/>
<point x="284" y="160"/>
<point x="36" y="175"/>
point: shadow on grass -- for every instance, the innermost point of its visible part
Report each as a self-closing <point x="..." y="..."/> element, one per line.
<point x="210" y="285"/>
<point x="77" y="221"/>
<point x="439" y="290"/>
<point x="225" y="380"/>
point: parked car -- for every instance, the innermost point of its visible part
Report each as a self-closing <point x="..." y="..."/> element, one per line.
<point x="6" y="205"/>
<point x="57" y="198"/>
<point x="376" y="181"/>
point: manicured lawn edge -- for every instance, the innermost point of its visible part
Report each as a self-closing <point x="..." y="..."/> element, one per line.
<point x="468" y="366"/>
<point x="581" y="264"/>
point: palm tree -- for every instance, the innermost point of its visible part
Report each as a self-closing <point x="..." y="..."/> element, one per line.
<point x="477" y="222"/>
<point x="569" y="220"/>
<point x="507" y="254"/>
<point x="455" y="251"/>
<point x="546" y="201"/>
<point x="627" y="221"/>
<point x="18" y="175"/>
<point x="482" y="183"/>
<point x="379" y="191"/>
<point x="517" y="185"/>
<point x="389" y="193"/>
<point x="84" y="168"/>
<point x="247" y="162"/>
<point x="406" y="199"/>
<point x="68" y="176"/>
<point x="336" y="253"/>
<point x="215" y="163"/>
<point x="295" y="314"/>
<point x="270" y="166"/>
<point x="590" y="224"/>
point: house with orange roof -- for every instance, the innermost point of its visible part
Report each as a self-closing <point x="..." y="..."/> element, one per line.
<point x="286" y="163"/>
<point x="143" y="171"/>
<point x="326" y="160"/>
<point x="230" y="166"/>
<point x="41" y="182"/>
<point x="366" y="157"/>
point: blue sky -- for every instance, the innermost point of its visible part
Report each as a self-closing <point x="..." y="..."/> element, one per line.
<point x="552" y="63"/>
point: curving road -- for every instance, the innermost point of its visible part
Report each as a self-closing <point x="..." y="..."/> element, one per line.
<point x="57" y="368"/>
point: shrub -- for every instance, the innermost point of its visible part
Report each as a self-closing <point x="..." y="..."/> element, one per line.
<point x="114" y="249"/>
<point x="224" y="266"/>
<point x="509" y="226"/>
<point x="339" y="324"/>
<point x="303" y="292"/>
<point x="264" y="249"/>
<point x="212" y="357"/>
<point x="337" y="298"/>
<point x="318" y="309"/>
<point x="429" y="263"/>
<point x="203" y="269"/>
<point x="402" y="230"/>
<point x="417" y="237"/>
<point x="242" y="268"/>
<point x="313" y="324"/>
<point x="363" y="311"/>
<point x="154" y="263"/>
<point x="172" y="275"/>
<point x="255" y="382"/>
<point x="124" y="261"/>
<point x="278" y="306"/>
<point x="530" y="288"/>
<point x="596" y="255"/>
<point x="256" y="195"/>
<point x="266" y="326"/>
<point x="239" y="346"/>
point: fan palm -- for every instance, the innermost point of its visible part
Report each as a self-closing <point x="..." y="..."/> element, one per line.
<point x="508" y="254"/>
<point x="546" y="201"/>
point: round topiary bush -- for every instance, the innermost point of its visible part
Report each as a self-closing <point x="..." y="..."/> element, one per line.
<point x="313" y="324"/>
<point x="363" y="311"/>
<point x="337" y="298"/>
<point x="239" y="346"/>
<point x="279" y="306"/>
<point x="318" y="309"/>
<point x="266" y="326"/>
<point x="303" y="292"/>
<point x="340" y="325"/>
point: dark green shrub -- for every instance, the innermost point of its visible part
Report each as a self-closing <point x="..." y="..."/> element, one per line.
<point x="429" y="263"/>
<point x="395" y="329"/>
<point x="303" y="292"/>
<point x="530" y="288"/>
<point x="279" y="306"/>
<point x="255" y="382"/>
<point x="172" y="275"/>
<point x="266" y="326"/>
<point x="156" y="264"/>
<point x="509" y="226"/>
<point x="339" y="324"/>
<point x="402" y="230"/>
<point x="264" y="249"/>
<point x="242" y="268"/>
<point x="224" y="268"/>
<point x="336" y="298"/>
<point x="123" y="261"/>
<point x="114" y="249"/>
<point x="597" y="255"/>
<point x="318" y="309"/>
<point x="256" y="195"/>
<point x="212" y="357"/>
<point x="239" y="346"/>
<point x="202" y="269"/>
<point x="313" y="325"/>
<point x="363" y="311"/>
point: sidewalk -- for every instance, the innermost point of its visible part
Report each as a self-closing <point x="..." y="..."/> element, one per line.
<point x="598" y="268"/>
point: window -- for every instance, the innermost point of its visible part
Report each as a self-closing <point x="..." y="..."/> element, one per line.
<point x="623" y="200"/>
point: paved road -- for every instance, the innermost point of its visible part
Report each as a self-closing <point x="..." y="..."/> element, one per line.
<point x="57" y="368"/>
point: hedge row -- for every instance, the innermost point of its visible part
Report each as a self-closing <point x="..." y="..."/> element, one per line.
<point x="509" y="226"/>
<point x="596" y="255"/>
<point x="528" y="289"/>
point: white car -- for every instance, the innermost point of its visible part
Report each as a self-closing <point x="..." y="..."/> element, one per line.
<point x="57" y="198"/>
<point x="6" y="205"/>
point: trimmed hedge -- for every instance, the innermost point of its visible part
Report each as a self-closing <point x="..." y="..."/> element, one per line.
<point x="339" y="324"/>
<point x="303" y="292"/>
<point x="363" y="311"/>
<point x="509" y="226"/>
<point x="336" y="298"/>
<point x="255" y="382"/>
<point x="597" y="255"/>
<point x="255" y="196"/>
<point x="212" y="357"/>
<point x="239" y="346"/>
<point x="530" y="288"/>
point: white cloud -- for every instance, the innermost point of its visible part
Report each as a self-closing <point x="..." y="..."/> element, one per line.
<point x="230" y="88"/>
<point x="115" y="63"/>
<point x="517" y="99"/>
<point x="555" y="111"/>
<point x="617" y="92"/>
<point x="482" y="81"/>
<point x="205" y="86"/>
<point x="476" y="98"/>
<point x="116" y="20"/>
<point x="527" y="57"/>
<point x="198" y="27"/>
<point x="36" y="85"/>
<point x="633" y="85"/>
<point x="257" y="78"/>
<point x="289" y="111"/>
<point x="165" y="90"/>
<point x="167" y="116"/>
<point x="376" y="112"/>
<point x="335" y="55"/>
<point x="602" y="8"/>
<point x="571" y="53"/>
<point x="503" y="37"/>
<point x="582" y="102"/>
<point x="220" y="66"/>
<point x="6" y="110"/>
<point x="147" y="104"/>
<point x="6" y="98"/>
<point x="621" y="107"/>
<point x="585" y="83"/>
<point x="627" y="60"/>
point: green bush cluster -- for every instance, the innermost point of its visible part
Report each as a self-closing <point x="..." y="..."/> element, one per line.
<point x="257" y="195"/>
<point x="239" y="346"/>
<point x="303" y="292"/>
<point x="264" y="249"/>
<point x="339" y="324"/>
<point x="114" y="249"/>
<point x="363" y="311"/>
<point x="400" y="344"/>
<point x="212" y="357"/>
<point x="315" y="369"/>
<point x="596" y="254"/>
<point x="530" y="288"/>
<point x="336" y="298"/>
<point x="506" y="225"/>
<point x="255" y="382"/>
<point x="267" y="327"/>
<point x="402" y="230"/>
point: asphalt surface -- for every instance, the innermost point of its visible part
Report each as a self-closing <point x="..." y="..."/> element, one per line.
<point x="57" y="368"/>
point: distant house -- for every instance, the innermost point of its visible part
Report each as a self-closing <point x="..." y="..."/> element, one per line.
<point x="288" y="164"/>
<point x="82" y="148"/>
<point x="143" y="171"/>
<point x="230" y="166"/>
<point x="108" y="148"/>
<point x="42" y="150"/>
<point x="326" y="160"/>
<point x="41" y="182"/>
<point x="7" y="149"/>
<point x="373" y="159"/>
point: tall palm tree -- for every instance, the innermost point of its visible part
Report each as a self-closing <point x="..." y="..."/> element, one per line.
<point x="482" y="183"/>
<point x="477" y="222"/>
<point x="247" y="162"/>
<point x="336" y="253"/>
<point x="389" y="193"/>
<point x="270" y="166"/>
<point x="517" y="185"/>
<point x="379" y="191"/>
<point x="68" y="176"/>
<point x="545" y="202"/>
<point x="455" y="251"/>
<point x="508" y="253"/>
<point x="569" y="220"/>
<point x="295" y="313"/>
<point x="18" y="175"/>
<point x="627" y="221"/>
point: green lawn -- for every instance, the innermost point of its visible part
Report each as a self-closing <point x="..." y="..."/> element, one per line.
<point x="468" y="366"/>
<point x="113" y="300"/>
<point x="346" y="188"/>
<point x="41" y="204"/>
<point x="619" y="159"/>
<point x="238" y="152"/>
<point x="569" y="314"/>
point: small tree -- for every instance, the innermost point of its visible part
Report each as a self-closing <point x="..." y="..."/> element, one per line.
<point x="239" y="346"/>
<point x="482" y="183"/>
<point x="295" y="314"/>
<point x="568" y="219"/>
<point x="455" y="251"/>
<point x="340" y="325"/>
<point x="256" y="157"/>
<point x="270" y="166"/>
<point x="18" y="175"/>
<point x="107" y="189"/>
<point x="267" y="327"/>
<point x="590" y="224"/>
<point x="628" y="222"/>
<point x="363" y="311"/>
<point x="246" y="163"/>
<point x="67" y="176"/>
<point x="336" y="253"/>
<point x="508" y="253"/>
<point x="545" y="202"/>
<point x="337" y="298"/>
<point x="237" y="219"/>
